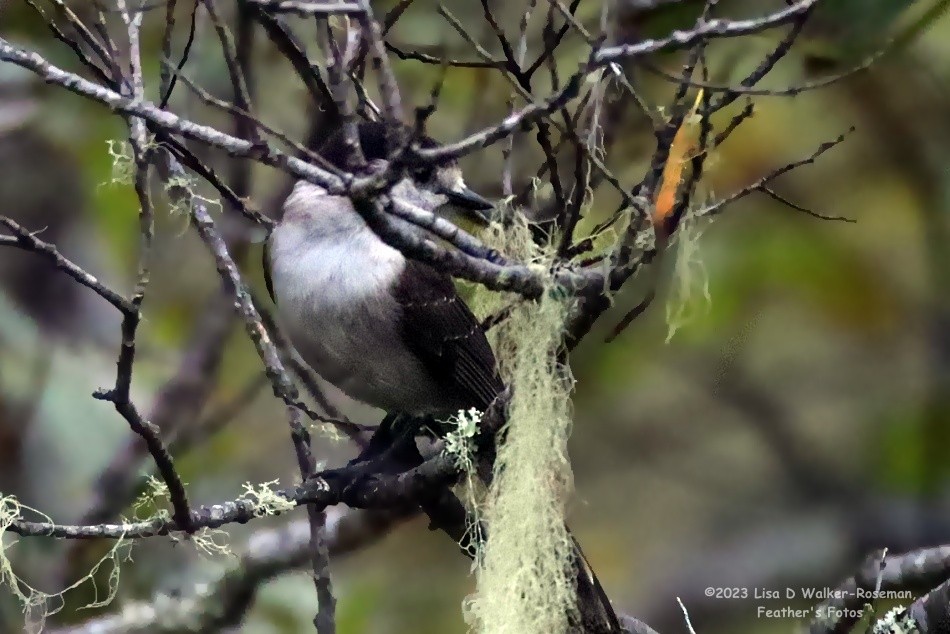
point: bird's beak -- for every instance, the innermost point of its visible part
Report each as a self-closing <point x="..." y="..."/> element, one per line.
<point x="475" y="206"/>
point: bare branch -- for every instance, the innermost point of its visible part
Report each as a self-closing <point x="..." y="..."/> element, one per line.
<point x="915" y="570"/>
<point x="242" y="98"/>
<point x="267" y="554"/>
<point x="719" y="205"/>
<point x="387" y="80"/>
<point x="291" y="49"/>
<point x="169" y="121"/>
<point x="175" y="406"/>
<point x="709" y="29"/>
<point x="814" y="214"/>
<point x="26" y="240"/>
<point x="309" y="8"/>
<point x="351" y="486"/>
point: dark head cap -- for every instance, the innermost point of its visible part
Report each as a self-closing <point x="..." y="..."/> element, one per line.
<point x="374" y="143"/>
<point x="445" y="177"/>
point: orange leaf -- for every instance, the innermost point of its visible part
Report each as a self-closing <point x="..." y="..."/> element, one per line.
<point x="684" y="142"/>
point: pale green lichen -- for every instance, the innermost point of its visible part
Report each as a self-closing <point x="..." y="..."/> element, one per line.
<point x="211" y="542"/>
<point x="690" y="281"/>
<point x="182" y="196"/>
<point x="459" y="442"/>
<point x="178" y="187"/>
<point x="265" y="499"/>
<point x="37" y="605"/>
<point x="524" y="574"/>
<point x="152" y="502"/>
<point x="181" y="191"/>
<point x="460" y="445"/>
<point x="895" y="621"/>
<point x="327" y="431"/>
<point x="123" y="162"/>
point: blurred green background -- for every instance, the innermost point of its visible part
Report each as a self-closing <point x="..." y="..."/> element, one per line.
<point x="795" y="421"/>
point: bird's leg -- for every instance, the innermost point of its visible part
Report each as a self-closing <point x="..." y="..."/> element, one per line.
<point x="381" y="441"/>
<point x="428" y="426"/>
<point x="375" y="459"/>
<point x="400" y="452"/>
<point x="391" y="450"/>
<point x="395" y="439"/>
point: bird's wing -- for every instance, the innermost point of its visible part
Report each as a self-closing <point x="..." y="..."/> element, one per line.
<point x="440" y="329"/>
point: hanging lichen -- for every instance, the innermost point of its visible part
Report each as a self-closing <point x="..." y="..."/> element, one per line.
<point x="37" y="605"/>
<point x="689" y="285"/>
<point x="524" y="573"/>
<point x="460" y="445"/>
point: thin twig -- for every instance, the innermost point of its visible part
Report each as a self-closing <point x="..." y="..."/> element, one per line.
<point x="27" y="240"/>
<point x="350" y="485"/>
<point x="223" y="603"/>
<point x="719" y="205"/>
<point x="814" y="214"/>
<point x="710" y="29"/>
<point x="309" y="8"/>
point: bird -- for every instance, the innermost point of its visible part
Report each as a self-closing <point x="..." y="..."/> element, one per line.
<point x="387" y="330"/>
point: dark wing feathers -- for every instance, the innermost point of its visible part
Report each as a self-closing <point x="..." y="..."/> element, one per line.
<point x="441" y="330"/>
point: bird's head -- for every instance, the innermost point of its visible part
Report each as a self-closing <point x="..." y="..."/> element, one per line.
<point x="428" y="187"/>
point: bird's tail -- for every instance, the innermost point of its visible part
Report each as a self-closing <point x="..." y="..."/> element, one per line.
<point x="596" y="612"/>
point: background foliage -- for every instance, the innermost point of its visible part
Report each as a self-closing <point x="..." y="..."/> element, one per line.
<point x="796" y="420"/>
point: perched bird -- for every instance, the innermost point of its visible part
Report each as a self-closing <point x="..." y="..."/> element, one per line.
<point x="386" y="330"/>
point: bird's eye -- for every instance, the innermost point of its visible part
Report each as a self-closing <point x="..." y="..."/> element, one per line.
<point x="422" y="174"/>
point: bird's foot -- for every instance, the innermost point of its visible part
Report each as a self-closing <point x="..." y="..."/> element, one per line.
<point x="391" y="451"/>
<point x="393" y="444"/>
<point x="381" y="440"/>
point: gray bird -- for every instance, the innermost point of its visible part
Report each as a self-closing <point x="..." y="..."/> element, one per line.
<point x="386" y="330"/>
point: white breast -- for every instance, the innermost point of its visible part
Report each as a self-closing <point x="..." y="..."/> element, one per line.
<point x="332" y="278"/>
